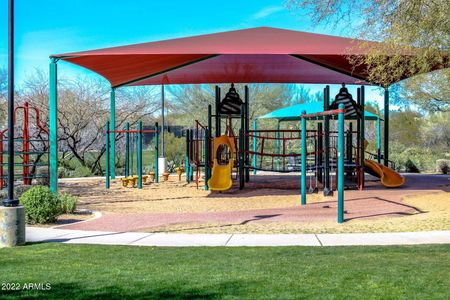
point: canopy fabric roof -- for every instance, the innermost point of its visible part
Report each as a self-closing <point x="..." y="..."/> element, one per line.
<point x="292" y="113"/>
<point x="256" y="55"/>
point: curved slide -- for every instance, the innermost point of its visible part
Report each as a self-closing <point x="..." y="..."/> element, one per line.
<point x="221" y="174"/>
<point x="389" y="178"/>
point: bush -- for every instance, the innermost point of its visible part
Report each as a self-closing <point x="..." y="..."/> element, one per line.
<point x="68" y="203"/>
<point x="41" y="205"/>
<point x="410" y="167"/>
<point x="443" y="166"/>
<point x="82" y="172"/>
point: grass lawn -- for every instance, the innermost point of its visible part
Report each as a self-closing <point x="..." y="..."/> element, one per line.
<point x="117" y="272"/>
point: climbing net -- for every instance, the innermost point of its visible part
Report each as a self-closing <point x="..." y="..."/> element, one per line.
<point x="276" y="150"/>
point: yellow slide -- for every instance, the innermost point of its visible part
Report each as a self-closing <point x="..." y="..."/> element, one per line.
<point x="221" y="174"/>
<point x="389" y="178"/>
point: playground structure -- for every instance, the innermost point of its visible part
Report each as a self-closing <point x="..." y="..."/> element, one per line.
<point x="280" y="150"/>
<point x="34" y="148"/>
<point x="133" y="171"/>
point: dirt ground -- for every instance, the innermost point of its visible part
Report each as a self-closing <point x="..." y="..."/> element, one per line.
<point x="268" y="204"/>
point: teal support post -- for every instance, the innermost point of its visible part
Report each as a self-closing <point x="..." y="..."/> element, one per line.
<point x="186" y="164"/>
<point x="112" y="135"/>
<point x="340" y="168"/>
<point x="278" y="144"/>
<point x="255" y="147"/>
<point x="386" y="127"/>
<point x="127" y="150"/>
<point x="107" y="162"/>
<point x="303" y="167"/>
<point x="379" y="140"/>
<point x="156" y="139"/>
<point x="53" y="118"/>
<point x="139" y="154"/>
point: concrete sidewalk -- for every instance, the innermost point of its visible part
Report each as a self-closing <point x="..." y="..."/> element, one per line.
<point x="35" y="234"/>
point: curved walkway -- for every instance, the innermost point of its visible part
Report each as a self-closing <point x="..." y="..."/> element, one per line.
<point x="35" y="234"/>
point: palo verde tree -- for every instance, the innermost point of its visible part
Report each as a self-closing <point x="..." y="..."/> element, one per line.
<point x="418" y="27"/>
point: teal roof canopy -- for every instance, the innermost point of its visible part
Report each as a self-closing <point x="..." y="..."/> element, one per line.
<point x="292" y="113"/>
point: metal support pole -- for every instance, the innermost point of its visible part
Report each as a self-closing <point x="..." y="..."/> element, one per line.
<point x="112" y="134"/>
<point x="53" y="118"/>
<point x="349" y="155"/>
<point x="217" y="114"/>
<point x="327" y="191"/>
<point x="340" y="168"/>
<point x="10" y="201"/>
<point x="363" y="135"/>
<point x="255" y="146"/>
<point x="379" y="140"/>
<point x="242" y="149"/>
<point x="386" y="126"/>
<point x="320" y="151"/>
<point x="186" y="163"/>
<point x="139" y="154"/>
<point x="303" y="163"/>
<point x="127" y="150"/>
<point x="156" y="170"/>
<point x="206" y="158"/>
<point x="162" y="121"/>
<point x="107" y="161"/>
<point x="277" y="144"/>
<point x="192" y="151"/>
<point x="246" y="127"/>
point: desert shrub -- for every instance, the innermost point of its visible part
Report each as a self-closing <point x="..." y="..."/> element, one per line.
<point x="443" y="166"/>
<point x="174" y="151"/>
<point x="42" y="176"/>
<point x="41" y="205"/>
<point x="410" y="167"/>
<point x="68" y="203"/>
<point x="82" y="172"/>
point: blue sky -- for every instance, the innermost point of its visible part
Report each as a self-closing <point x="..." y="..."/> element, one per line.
<point x="47" y="27"/>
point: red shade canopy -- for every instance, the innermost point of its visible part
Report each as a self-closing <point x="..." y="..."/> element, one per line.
<point x="257" y="55"/>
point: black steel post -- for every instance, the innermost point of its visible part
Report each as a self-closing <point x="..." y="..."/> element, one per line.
<point x="241" y="150"/>
<point x="217" y="114"/>
<point x="362" y="131"/>
<point x="349" y="147"/>
<point x="247" y="141"/>
<point x="327" y="191"/>
<point x="320" y="151"/>
<point x="386" y="127"/>
<point x="10" y="201"/>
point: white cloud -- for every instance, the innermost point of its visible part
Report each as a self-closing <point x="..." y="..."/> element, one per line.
<point x="266" y="11"/>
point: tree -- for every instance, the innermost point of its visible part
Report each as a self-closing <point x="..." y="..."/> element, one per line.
<point x="83" y="110"/>
<point x="190" y="102"/>
<point x="429" y="92"/>
<point x="404" y="26"/>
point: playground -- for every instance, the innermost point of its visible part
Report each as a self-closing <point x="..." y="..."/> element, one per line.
<point x="311" y="172"/>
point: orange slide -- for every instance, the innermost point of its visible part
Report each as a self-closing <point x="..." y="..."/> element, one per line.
<point x="221" y="174"/>
<point x="389" y="178"/>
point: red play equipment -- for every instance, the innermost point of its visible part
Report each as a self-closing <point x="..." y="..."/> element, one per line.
<point x="35" y="145"/>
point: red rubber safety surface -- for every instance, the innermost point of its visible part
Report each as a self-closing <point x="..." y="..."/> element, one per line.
<point x="375" y="201"/>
